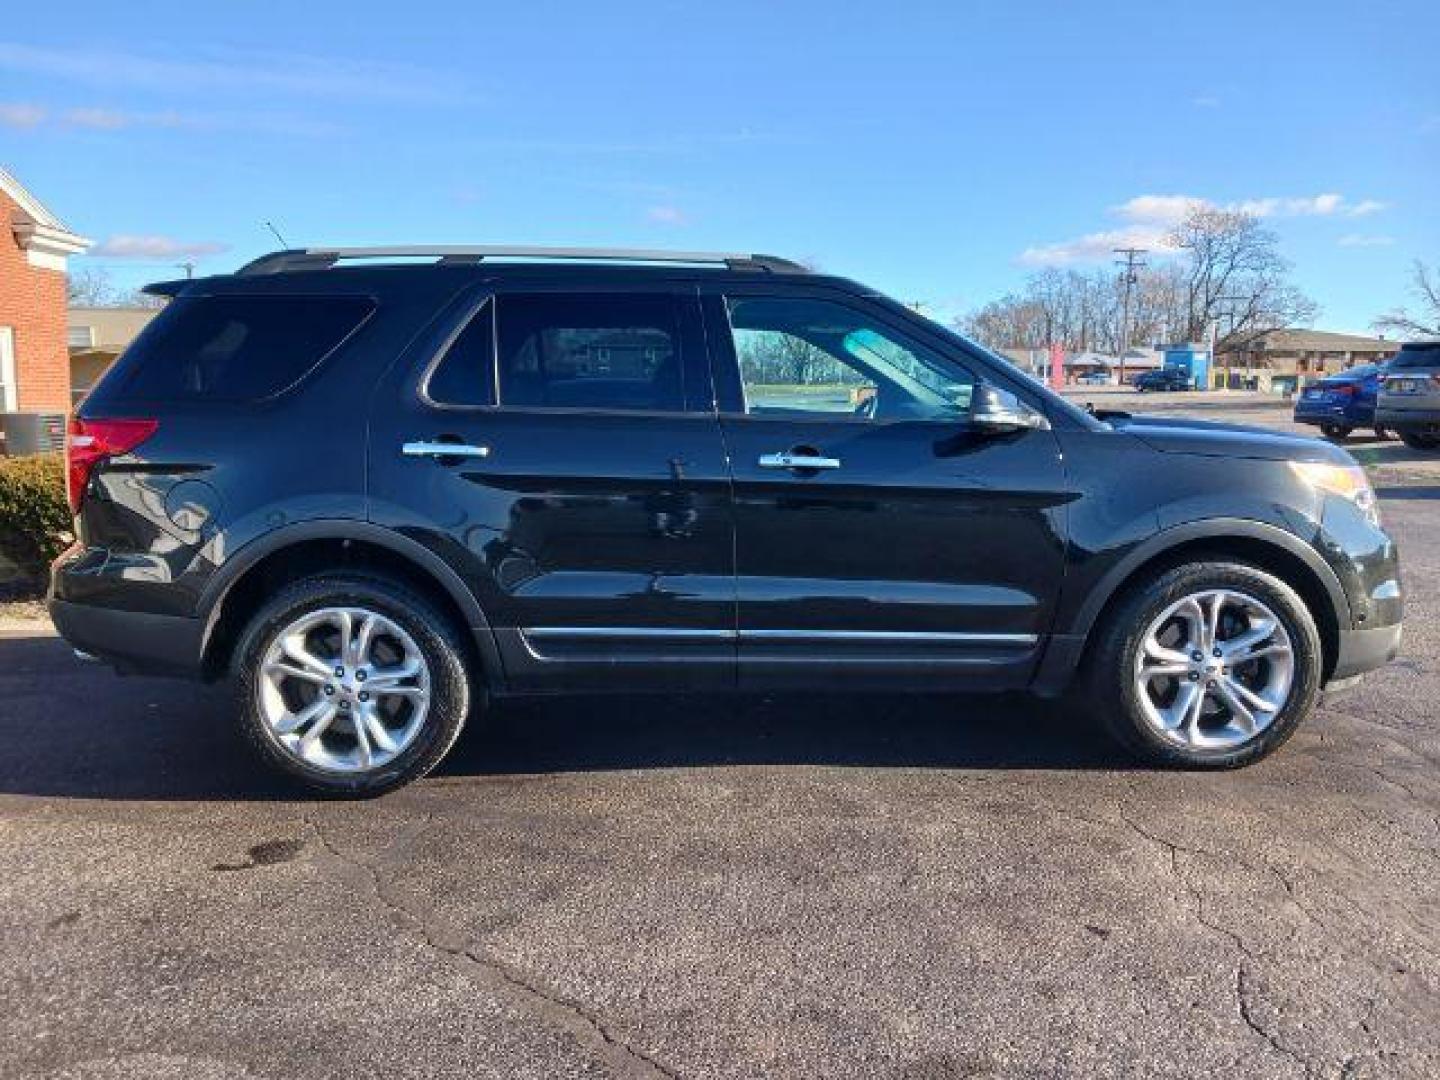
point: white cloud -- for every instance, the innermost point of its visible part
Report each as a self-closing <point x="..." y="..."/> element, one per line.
<point x="20" y="114"/>
<point x="123" y="246"/>
<point x="1360" y="240"/>
<point x="104" y="119"/>
<point x="1151" y="218"/>
<point x="248" y="72"/>
<point x="667" y="215"/>
<point x="1096" y="246"/>
<point x="1159" y="209"/>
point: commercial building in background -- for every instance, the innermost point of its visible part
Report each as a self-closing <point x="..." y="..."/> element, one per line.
<point x="1280" y="360"/>
<point x="96" y="336"/>
<point x="35" y="248"/>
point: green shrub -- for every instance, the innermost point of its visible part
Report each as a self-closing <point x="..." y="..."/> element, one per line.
<point x="34" y="516"/>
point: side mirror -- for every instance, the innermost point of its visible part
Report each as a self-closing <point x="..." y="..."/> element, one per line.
<point x="1000" y="412"/>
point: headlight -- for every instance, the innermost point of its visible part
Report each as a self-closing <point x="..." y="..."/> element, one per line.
<point x="1347" y="481"/>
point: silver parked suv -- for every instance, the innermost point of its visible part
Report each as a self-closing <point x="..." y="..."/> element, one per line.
<point x="1409" y="398"/>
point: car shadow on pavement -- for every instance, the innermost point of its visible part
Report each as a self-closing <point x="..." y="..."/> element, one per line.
<point x="75" y="729"/>
<point x="1410" y="493"/>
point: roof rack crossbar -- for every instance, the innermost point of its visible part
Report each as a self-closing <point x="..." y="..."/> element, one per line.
<point x="297" y="259"/>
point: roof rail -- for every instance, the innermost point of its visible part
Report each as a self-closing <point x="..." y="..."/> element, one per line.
<point x="297" y="259"/>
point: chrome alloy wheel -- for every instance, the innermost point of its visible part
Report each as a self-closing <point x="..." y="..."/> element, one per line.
<point x="1214" y="670"/>
<point x="344" y="689"/>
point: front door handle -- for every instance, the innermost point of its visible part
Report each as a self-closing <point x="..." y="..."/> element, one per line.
<point x="435" y="449"/>
<point x="801" y="461"/>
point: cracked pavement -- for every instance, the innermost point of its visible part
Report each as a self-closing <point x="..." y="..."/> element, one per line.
<point x="709" y="887"/>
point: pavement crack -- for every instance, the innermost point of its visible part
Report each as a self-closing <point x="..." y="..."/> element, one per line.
<point x="1242" y="997"/>
<point x="1243" y="989"/>
<point x="509" y="985"/>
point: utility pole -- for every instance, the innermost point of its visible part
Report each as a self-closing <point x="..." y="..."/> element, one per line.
<point x="1131" y="262"/>
<point x="188" y="267"/>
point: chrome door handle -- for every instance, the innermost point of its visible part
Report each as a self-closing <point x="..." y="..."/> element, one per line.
<point x="423" y="448"/>
<point x="798" y="461"/>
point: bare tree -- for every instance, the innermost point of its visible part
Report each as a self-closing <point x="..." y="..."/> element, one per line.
<point x="93" y="288"/>
<point x="1424" y="323"/>
<point x="1228" y="273"/>
<point x="1236" y="277"/>
<point x="90" y="288"/>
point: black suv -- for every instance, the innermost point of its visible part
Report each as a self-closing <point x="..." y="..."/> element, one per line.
<point x="1170" y="378"/>
<point x="375" y="491"/>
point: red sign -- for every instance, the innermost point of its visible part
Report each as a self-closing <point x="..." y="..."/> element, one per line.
<point x="1057" y="367"/>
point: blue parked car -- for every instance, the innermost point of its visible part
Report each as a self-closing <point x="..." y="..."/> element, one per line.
<point x="1340" y="403"/>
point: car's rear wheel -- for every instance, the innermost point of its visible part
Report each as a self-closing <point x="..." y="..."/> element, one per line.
<point x="1338" y="432"/>
<point x="1209" y="665"/>
<point x="1420" y="439"/>
<point x="352" y="685"/>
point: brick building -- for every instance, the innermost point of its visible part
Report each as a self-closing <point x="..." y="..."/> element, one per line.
<point x="35" y="247"/>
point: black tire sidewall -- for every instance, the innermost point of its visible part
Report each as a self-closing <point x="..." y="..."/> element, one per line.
<point x="1123" y="636"/>
<point x="438" y="642"/>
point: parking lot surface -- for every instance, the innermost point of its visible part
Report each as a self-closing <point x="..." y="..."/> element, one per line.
<point x="711" y="887"/>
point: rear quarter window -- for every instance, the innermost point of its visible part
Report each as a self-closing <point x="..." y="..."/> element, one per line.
<point x="233" y="348"/>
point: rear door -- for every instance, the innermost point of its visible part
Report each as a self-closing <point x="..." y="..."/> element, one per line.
<point x="561" y="450"/>
<point x="879" y="540"/>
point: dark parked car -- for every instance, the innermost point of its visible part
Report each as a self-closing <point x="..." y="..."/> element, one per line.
<point x="1409" y="399"/>
<point x="1340" y="403"/>
<point x="374" y="493"/>
<point x="1170" y="378"/>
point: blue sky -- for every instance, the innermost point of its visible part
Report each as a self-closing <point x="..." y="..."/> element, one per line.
<point x="939" y="151"/>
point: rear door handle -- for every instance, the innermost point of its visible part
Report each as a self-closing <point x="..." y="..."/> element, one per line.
<point x="798" y="461"/>
<point x="425" y="448"/>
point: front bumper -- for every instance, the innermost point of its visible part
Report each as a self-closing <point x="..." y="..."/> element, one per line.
<point x="133" y="642"/>
<point x="1365" y="650"/>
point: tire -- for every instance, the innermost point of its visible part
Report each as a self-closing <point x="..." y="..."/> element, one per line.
<point x="1114" y="662"/>
<point x="420" y="712"/>
<point x="1337" y="432"/>
<point x="1420" y="440"/>
<point x="1382" y="433"/>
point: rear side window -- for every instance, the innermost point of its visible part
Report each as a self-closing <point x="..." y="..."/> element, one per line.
<point x="463" y="375"/>
<point x="1425" y="356"/>
<point x="235" y="348"/>
<point x="590" y="352"/>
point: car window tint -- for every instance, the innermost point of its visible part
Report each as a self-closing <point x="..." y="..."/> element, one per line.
<point x="464" y="374"/>
<point x="1423" y="357"/>
<point x="590" y="352"/>
<point x="234" y="348"/>
<point x="799" y="355"/>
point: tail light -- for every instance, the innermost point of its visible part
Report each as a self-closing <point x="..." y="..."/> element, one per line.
<point x="91" y="441"/>
<point x="1343" y="390"/>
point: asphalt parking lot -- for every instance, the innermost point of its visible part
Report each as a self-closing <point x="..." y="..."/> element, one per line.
<point x="858" y="887"/>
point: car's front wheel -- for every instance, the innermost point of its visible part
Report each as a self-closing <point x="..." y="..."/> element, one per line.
<point x="1338" y="432"/>
<point x="1208" y="665"/>
<point x="353" y="685"/>
<point x="1382" y="433"/>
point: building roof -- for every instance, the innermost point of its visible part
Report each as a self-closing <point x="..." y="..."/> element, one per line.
<point x="46" y="240"/>
<point x="1295" y="340"/>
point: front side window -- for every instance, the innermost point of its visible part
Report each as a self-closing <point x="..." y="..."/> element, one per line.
<point x="799" y="356"/>
<point x="590" y="352"/>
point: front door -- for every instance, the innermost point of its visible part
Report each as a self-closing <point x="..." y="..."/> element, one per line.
<point x="562" y="452"/>
<point x="878" y="537"/>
